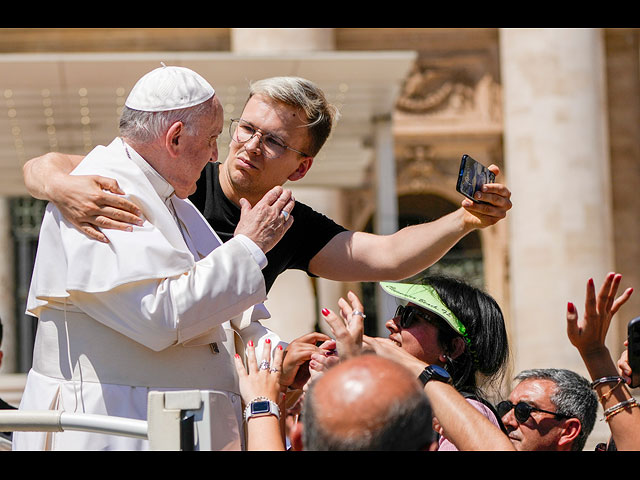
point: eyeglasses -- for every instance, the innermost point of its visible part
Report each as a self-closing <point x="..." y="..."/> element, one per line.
<point x="270" y="145"/>
<point x="522" y="410"/>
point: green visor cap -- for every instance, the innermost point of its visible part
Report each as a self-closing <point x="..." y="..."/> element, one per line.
<point x="426" y="297"/>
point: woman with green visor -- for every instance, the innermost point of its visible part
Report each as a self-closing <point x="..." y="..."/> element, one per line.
<point x="453" y="331"/>
<point x="458" y="330"/>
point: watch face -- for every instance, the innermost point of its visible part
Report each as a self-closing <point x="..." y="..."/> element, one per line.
<point x="434" y="372"/>
<point x="440" y="371"/>
<point x="260" y="407"/>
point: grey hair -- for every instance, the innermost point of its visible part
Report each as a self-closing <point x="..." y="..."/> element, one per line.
<point x="573" y="397"/>
<point x="144" y="127"/>
<point x="306" y="95"/>
<point x="406" y="426"/>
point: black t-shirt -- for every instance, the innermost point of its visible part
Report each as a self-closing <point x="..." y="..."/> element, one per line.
<point x="308" y="234"/>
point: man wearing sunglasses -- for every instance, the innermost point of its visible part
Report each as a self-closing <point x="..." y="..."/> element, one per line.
<point x="549" y="409"/>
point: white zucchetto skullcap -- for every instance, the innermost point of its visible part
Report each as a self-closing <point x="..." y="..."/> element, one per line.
<point x="169" y="88"/>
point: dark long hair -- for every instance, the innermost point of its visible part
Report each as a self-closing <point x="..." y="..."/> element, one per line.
<point x="488" y="351"/>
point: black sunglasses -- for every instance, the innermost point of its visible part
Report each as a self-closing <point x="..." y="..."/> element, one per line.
<point x="522" y="410"/>
<point x="408" y="314"/>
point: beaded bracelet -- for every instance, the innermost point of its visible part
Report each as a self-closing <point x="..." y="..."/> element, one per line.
<point x="610" y="412"/>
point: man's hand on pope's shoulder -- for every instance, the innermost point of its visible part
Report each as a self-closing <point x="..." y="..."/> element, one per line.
<point x="92" y="202"/>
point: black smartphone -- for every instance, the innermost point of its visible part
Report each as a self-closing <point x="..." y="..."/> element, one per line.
<point x="472" y="176"/>
<point x="633" y="336"/>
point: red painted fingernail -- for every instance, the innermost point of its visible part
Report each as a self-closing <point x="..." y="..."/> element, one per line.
<point x="570" y="307"/>
<point x="268" y="340"/>
<point x="279" y="347"/>
<point x="250" y="343"/>
<point x="237" y="356"/>
<point x="325" y="312"/>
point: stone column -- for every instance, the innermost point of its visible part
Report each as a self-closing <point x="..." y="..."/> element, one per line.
<point x="386" y="217"/>
<point x="623" y="85"/>
<point x="277" y="40"/>
<point x="556" y="149"/>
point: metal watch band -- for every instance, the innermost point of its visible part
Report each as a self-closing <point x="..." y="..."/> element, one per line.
<point x="272" y="410"/>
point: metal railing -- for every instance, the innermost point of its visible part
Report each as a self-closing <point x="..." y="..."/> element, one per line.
<point x="60" y="421"/>
<point x="176" y="420"/>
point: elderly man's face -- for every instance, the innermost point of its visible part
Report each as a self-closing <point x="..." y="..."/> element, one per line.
<point x="250" y="173"/>
<point x="198" y="150"/>
<point x="541" y="431"/>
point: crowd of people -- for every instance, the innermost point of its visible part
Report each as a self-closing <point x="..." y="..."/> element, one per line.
<point x="154" y="260"/>
<point x="415" y="401"/>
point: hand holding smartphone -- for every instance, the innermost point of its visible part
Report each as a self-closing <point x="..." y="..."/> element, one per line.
<point x="472" y="176"/>
<point x="633" y="350"/>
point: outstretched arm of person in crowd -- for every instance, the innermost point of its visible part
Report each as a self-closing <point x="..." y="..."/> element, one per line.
<point x="263" y="432"/>
<point x="87" y="201"/>
<point x="361" y="256"/>
<point x="304" y="361"/>
<point x="298" y="354"/>
<point x="463" y="425"/>
<point x="588" y="335"/>
<point x="459" y="421"/>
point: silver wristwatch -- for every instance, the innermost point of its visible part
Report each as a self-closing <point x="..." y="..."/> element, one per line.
<point x="259" y="407"/>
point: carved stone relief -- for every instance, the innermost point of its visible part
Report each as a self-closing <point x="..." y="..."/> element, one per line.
<point x="443" y="111"/>
<point x="432" y="91"/>
<point x="420" y="170"/>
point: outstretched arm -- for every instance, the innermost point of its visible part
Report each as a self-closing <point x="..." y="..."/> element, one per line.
<point x="463" y="425"/>
<point x="360" y="256"/>
<point x="588" y="336"/>
<point x="88" y="202"/>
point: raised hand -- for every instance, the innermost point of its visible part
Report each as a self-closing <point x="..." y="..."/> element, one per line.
<point x="268" y="220"/>
<point x="588" y="334"/>
<point x="260" y="380"/>
<point x="295" y="371"/>
<point x="498" y="203"/>
<point x="348" y="328"/>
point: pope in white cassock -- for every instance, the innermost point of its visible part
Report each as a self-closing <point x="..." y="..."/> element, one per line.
<point x="163" y="307"/>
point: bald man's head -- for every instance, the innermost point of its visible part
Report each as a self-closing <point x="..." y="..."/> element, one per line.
<point x="367" y="403"/>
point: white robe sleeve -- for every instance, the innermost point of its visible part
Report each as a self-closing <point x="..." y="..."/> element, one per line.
<point x="159" y="313"/>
